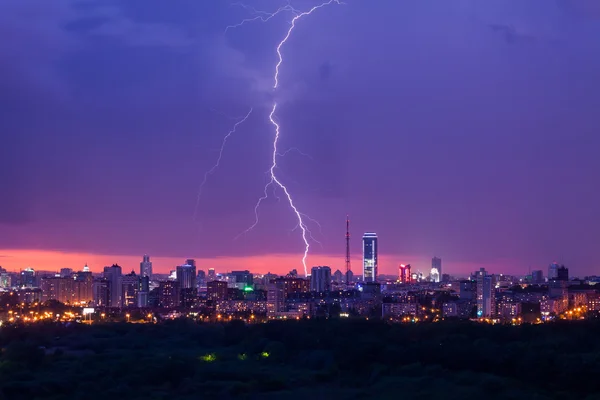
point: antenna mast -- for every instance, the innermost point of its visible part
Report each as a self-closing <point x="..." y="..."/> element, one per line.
<point x="348" y="268"/>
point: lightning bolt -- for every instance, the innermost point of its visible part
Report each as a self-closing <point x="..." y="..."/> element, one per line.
<point x="274" y="180"/>
<point x="262" y="16"/>
<point x="218" y="162"/>
<point x="296" y="150"/>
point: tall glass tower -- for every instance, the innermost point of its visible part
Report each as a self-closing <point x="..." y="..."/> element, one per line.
<point x="370" y="257"/>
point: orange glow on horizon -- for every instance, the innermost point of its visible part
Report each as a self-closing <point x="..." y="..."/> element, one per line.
<point x="46" y="260"/>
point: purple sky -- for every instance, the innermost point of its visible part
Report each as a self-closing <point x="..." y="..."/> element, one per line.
<point x="466" y="129"/>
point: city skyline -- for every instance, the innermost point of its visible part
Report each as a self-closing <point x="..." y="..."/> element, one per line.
<point x="480" y="151"/>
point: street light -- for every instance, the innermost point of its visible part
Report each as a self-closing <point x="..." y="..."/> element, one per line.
<point x="127" y="315"/>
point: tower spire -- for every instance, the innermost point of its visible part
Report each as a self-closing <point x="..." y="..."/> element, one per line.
<point x="348" y="268"/>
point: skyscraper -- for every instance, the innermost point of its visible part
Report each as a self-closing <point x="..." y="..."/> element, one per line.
<point x="242" y="279"/>
<point x="537" y="276"/>
<point x="114" y="276"/>
<point x="320" y="279"/>
<point x="211" y="275"/>
<point x="436" y="269"/>
<point x="553" y="271"/>
<point x="131" y="286"/>
<point x="370" y="257"/>
<point x="186" y="276"/>
<point x="486" y="294"/>
<point x="27" y="278"/>
<point x="146" y="266"/>
<point x="143" y="291"/>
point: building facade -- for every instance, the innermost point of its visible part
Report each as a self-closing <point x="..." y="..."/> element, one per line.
<point x="370" y="249"/>
<point x="320" y="279"/>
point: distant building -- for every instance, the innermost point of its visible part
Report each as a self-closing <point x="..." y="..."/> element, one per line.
<point x="404" y="273"/>
<point x="211" y="274"/>
<point x="537" y="276"/>
<point x="186" y="276"/>
<point x="338" y="276"/>
<point x="486" y="294"/>
<point x="101" y="292"/>
<point x="5" y="280"/>
<point x="83" y="286"/>
<point x="27" y="278"/>
<point x="292" y="286"/>
<point x="276" y="297"/>
<point x="143" y="292"/>
<point x="509" y="309"/>
<point x="168" y="294"/>
<point x="242" y="279"/>
<point x="57" y="288"/>
<point x="114" y="276"/>
<point x="146" y="266"/>
<point x="457" y="309"/>
<point x="553" y="271"/>
<point x="370" y="249"/>
<point x="216" y="291"/>
<point x="467" y="290"/>
<point x="201" y="278"/>
<point x="29" y="295"/>
<point x="562" y="273"/>
<point x="436" y="269"/>
<point x="66" y="272"/>
<point x="320" y="279"/>
<point x="131" y="286"/>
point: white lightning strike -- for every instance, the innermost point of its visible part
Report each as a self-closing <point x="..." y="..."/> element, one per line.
<point x="296" y="150"/>
<point x="216" y="165"/>
<point x="262" y="16"/>
<point x="273" y="176"/>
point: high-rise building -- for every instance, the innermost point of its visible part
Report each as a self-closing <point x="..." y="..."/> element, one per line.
<point x="537" y="276"/>
<point x="562" y="273"/>
<point x="146" y="266"/>
<point x="168" y="294"/>
<point x="27" y="278"/>
<point x="201" y="278"/>
<point x="188" y="289"/>
<point x="486" y="294"/>
<point x="186" y="276"/>
<point x="338" y="276"/>
<point x="276" y="296"/>
<point x="115" y="285"/>
<point x="57" y="288"/>
<point x="292" y="286"/>
<point x="143" y="291"/>
<point x="84" y="286"/>
<point x="436" y="269"/>
<point x="211" y="275"/>
<point x="404" y="273"/>
<point x="553" y="271"/>
<point x="320" y="279"/>
<point x="5" y="281"/>
<point x="101" y="292"/>
<point x="370" y="257"/>
<point x="131" y="285"/>
<point x="66" y="272"/>
<point x="242" y="278"/>
<point x="216" y="291"/>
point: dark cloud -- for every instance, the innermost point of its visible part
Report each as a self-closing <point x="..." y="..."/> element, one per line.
<point x="419" y="121"/>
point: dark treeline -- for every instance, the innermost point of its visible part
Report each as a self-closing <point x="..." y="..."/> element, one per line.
<point x="323" y="359"/>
